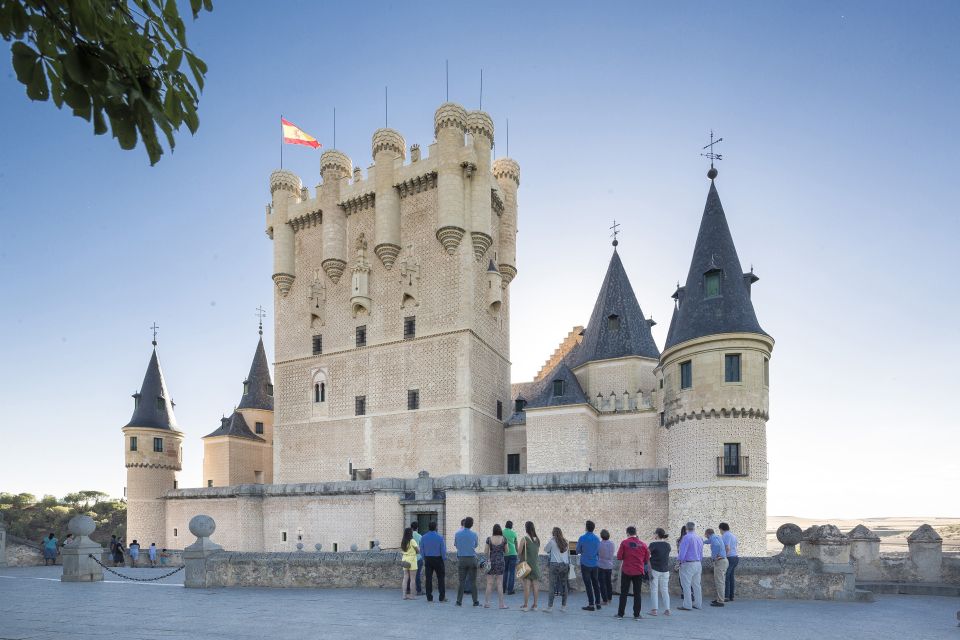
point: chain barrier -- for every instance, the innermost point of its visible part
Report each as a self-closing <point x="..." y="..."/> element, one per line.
<point x="166" y="575"/>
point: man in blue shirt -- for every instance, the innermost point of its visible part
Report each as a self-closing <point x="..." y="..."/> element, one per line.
<point x="733" y="559"/>
<point x="466" y="543"/>
<point x="588" y="548"/>
<point x="434" y="550"/>
<point x="718" y="553"/>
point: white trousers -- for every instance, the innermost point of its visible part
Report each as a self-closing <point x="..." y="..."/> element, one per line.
<point x="690" y="584"/>
<point x="660" y="589"/>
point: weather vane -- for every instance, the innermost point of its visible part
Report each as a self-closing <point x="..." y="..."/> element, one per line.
<point x="154" y="327"/>
<point x="712" y="155"/>
<point x="616" y="231"/>
<point x="261" y="314"/>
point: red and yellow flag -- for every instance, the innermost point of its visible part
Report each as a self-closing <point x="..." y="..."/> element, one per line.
<point x="292" y="134"/>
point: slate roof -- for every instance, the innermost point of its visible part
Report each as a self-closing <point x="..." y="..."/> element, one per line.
<point x="519" y="391"/>
<point x="148" y="412"/>
<point x="600" y="340"/>
<point x="541" y="392"/>
<point x="259" y="387"/>
<point x="731" y="311"/>
<point x="235" y="426"/>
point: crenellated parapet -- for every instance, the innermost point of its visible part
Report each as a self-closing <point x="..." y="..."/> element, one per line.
<point x="479" y="123"/>
<point x="286" y="181"/>
<point x="507" y="173"/>
<point x="389" y="140"/>
<point x="449" y="115"/>
<point x="334" y="167"/>
<point x="506" y="168"/>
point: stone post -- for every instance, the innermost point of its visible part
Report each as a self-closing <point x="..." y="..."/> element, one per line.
<point x="195" y="556"/>
<point x="827" y="544"/>
<point x="78" y="565"/>
<point x="865" y="551"/>
<point x="3" y="541"/>
<point x="926" y="554"/>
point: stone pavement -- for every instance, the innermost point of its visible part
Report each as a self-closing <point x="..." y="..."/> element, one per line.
<point x="35" y="604"/>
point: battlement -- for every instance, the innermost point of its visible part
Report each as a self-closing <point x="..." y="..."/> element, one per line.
<point x="479" y="123"/>
<point x="388" y="140"/>
<point x="506" y="168"/>
<point x="449" y="114"/>
<point x="286" y="181"/>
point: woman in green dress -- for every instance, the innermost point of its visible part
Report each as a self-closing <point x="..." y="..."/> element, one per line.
<point x="529" y="550"/>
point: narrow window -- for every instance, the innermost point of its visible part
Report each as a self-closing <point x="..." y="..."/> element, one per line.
<point x="661" y="383"/>
<point x="613" y="322"/>
<point x="362" y="335"/>
<point x="558" y="388"/>
<point x="686" y="375"/>
<point x="731" y="367"/>
<point x="209" y="483"/>
<point x="336" y="547"/>
<point x="283" y="536"/>
<point x="499" y="410"/>
<point x="731" y="459"/>
<point x="711" y="283"/>
<point x="323" y="392"/>
<point x="513" y="463"/>
<point x="160" y="403"/>
<point x="413" y="399"/>
<point x="409" y="327"/>
<point x="258" y="428"/>
<point x="133" y="443"/>
<point x="663" y="419"/>
<point x="270" y="389"/>
<point x="175" y="484"/>
<point x="766" y="372"/>
<point x="519" y="405"/>
<point x="174" y="532"/>
<point x="316" y="392"/>
<point x="246" y="387"/>
<point x="317" y="344"/>
<point x="136" y="400"/>
<point x="360" y="405"/>
<point x="158" y="445"/>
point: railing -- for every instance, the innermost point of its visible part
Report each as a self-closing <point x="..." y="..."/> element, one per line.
<point x="739" y="466"/>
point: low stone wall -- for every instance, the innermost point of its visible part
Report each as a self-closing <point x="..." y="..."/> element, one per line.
<point x="23" y="553"/>
<point x="143" y="561"/>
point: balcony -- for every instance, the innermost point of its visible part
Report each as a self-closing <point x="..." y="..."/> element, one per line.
<point x="736" y="466"/>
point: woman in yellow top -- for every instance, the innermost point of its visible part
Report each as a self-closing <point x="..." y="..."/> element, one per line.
<point x="409" y="548"/>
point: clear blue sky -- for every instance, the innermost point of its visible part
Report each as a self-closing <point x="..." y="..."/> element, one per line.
<point x="841" y="145"/>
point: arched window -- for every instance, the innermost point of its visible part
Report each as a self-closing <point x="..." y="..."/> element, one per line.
<point x="323" y="392"/>
<point x="319" y="386"/>
<point x="316" y="392"/>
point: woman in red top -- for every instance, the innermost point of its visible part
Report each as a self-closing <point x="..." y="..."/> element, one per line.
<point x="634" y="553"/>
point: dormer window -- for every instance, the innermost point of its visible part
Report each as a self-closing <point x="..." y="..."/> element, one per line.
<point x="519" y="405"/>
<point x="136" y="400"/>
<point x="246" y="387"/>
<point x="270" y="389"/>
<point x="558" y="388"/>
<point x="711" y="283"/>
<point x="160" y="403"/>
<point x="613" y="322"/>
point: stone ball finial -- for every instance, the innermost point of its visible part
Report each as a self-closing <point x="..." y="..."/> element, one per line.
<point x="449" y="114"/>
<point x="506" y="168"/>
<point x="789" y="534"/>
<point x="479" y="123"/>
<point x="202" y="526"/>
<point x="712" y="173"/>
<point x="389" y="140"/>
<point x="299" y="546"/>
<point x="354" y="547"/>
<point x="81" y="525"/>
<point x="285" y="180"/>
<point x="335" y="165"/>
<point x="317" y="547"/>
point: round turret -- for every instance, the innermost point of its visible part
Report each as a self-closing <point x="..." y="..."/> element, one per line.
<point x="389" y="140"/>
<point x="479" y="123"/>
<point x="337" y="162"/>
<point x="285" y="180"/>
<point x="449" y="114"/>
<point x="506" y="168"/>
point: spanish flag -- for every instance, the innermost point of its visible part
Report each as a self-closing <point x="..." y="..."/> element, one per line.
<point x="292" y="134"/>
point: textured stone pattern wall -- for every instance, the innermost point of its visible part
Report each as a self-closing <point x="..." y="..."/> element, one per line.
<point x="145" y="511"/>
<point x="560" y="439"/>
<point x="616" y="376"/>
<point x="228" y="461"/>
<point x="515" y="441"/>
<point x="743" y="507"/>
<point x="627" y="440"/>
<point x="22" y="554"/>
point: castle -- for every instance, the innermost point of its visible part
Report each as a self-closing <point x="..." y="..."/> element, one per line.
<point x="393" y="399"/>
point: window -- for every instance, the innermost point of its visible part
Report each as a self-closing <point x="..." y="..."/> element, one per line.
<point x="513" y="463"/>
<point x="360" y="405"/>
<point x="209" y="483"/>
<point x="663" y="419"/>
<point x="160" y="403"/>
<point x="136" y="400"/>
<point x="519" y="405"/>
<point x="558" y="388"/>
<point x="270" y="389"/>
<point x="158" y="445"/>
<point x="731" y="459"/>
<point x="731" y="367"/>
<point x="336" y="547"/>
<point x="174" y="532"/>
<point x="246" y="387"/>
<point x="133" y="443"/>
<point x="499" y="410"/>
<point x="317" y="344"/>
<point x="175" y="484"/>
<point x="409" y="327"/>
<point x="613" y="322"/>
<point x="413" y="399"/>
<point x="686" y="375"/>
<point x="711" y="283"/>
<point x="258" y="477"/>
<point x="766" y="372"/>
<point x="258" y="428"/>
<point x="362" y="335"/>
<point x="661" y="383"/>
<point x="283" y="536"/>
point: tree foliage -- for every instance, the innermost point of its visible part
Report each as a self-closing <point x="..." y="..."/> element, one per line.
<point x="110" y="60"/>
<point x="27" y="517"/>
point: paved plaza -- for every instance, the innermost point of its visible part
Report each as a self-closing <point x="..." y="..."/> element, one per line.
<point x="34" y="604"/>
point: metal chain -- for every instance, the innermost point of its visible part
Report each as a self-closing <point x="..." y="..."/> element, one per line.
<point x="166" y="575"/>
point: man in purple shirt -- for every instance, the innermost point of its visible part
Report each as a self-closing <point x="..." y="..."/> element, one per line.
<point x="689" y="556"/>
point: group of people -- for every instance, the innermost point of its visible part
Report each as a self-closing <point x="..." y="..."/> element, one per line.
<point x="154" y="555"/>
<point x="507" y="556"/>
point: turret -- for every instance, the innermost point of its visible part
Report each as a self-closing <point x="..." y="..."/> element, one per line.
<point x="152" y="455"/>
<point x="285" y="189"/>
<point x="388" y="148"/>
<point x="507" y="173"/>
<point x="334" y="166"/>
<point x="450" y="122"/>
<point x="715" y="373"/>
<point x="480" y="127"/>
<point x="494" y="288"/>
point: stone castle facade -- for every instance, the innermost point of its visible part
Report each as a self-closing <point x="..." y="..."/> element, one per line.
<point x="393" y="399"/>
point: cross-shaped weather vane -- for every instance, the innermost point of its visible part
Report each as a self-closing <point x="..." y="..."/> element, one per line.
<point x="616" y="231"/>
<point x="261" y="314"/>
<point x="154" y="328"/>
<point x="712" y="155"/>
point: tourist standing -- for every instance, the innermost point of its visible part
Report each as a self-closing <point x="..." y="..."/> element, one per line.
<point x="466" y="543"/>
<point x="433" y="548"/>
<point x="559" y="551"/>
<point x="605" y="557"/>
<point x="50" y="549"/>
<point x="409" y="549"/>
<point x="529" y="550"/>
<point x="134" y="550"/>
<point x="418" y="539"/>
<point x="634" y="554"/>
<point x="733" y="559"/>
<point x="510" y="559"/>
<point x="660" y="573"/>
<point x="689" y="556"/>
<point x="588" y="548"/>
<point x="496" y="548"/>
<point x="152" y="554"/>
<point x="113" y="547"/>
<point x="718" y="554"/>
<point x="164" y="557"/>
<point x="118" y="560"/>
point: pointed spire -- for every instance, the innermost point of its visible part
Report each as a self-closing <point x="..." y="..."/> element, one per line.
<point x="258" y="387"/>
<point x="716" y="297"/>
<point x="153" y="407"/>
<point x="234" y="426"/>
<point x="617" y="325"/>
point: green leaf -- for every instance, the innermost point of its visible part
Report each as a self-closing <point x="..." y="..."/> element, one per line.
<point x="37" y="86"/>
<point x="79" y="100"/>
<point x="173" y="62"/>
<point x="74" y="64"/>
<point x="195" y="6"/>
<point x="99" y="123"/>
<point x="24" y="59"/>
<point x="124" y="131"/>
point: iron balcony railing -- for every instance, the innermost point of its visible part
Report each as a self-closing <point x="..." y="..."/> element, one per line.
<point x="739" y="466"/>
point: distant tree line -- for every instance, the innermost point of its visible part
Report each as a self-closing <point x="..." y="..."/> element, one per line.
<point x="27" y="517"/>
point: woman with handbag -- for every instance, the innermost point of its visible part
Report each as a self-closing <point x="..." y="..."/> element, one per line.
<point x="496" y="548"/>
<point x="529" y="570"/>
<point x="409" y="549"/>
<point x="559" y="551"/>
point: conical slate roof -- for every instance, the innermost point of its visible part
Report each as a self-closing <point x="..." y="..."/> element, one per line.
<point x="627" y="335"/>
<point x="153" y="408"/>
<point x="258" y="388"/>
<point x="541" y="392"/>
<point x="235" y="426"/>
<point x="731" y="311"/>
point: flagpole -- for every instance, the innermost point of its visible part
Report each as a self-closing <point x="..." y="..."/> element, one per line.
<point x="281" y="141"/>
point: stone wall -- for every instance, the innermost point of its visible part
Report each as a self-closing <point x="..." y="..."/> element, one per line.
<point x="22" y="553"/>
